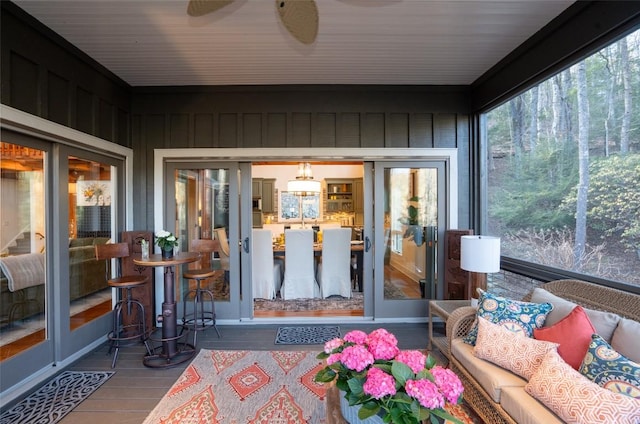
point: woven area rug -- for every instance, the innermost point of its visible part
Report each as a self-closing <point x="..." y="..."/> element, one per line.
<point x="245" y="387"/>
<point x="306" y="335"/>
<point x="50" y="403"/>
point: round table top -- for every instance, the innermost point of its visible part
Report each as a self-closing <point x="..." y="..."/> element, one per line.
<point x="157" y="259"/>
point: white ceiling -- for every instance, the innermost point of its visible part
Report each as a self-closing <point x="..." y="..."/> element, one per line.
<point x="155" y="42"/>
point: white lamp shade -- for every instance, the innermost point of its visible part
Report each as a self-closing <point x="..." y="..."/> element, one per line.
<point x="303" y="186"/>
<point x="480" y="253"/>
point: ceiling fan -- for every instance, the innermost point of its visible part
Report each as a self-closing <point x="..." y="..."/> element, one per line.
<point x="300" y="17"/>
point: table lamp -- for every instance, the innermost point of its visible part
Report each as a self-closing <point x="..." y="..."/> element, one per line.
<point x="479" y="255"/>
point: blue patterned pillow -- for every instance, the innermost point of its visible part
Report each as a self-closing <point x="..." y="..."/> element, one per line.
<point x="609" y="369"/>
<point x="514" y="315"/>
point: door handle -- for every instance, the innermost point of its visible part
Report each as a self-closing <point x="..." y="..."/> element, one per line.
<point x="367" y="244"/>
<point x="245" y="244"/>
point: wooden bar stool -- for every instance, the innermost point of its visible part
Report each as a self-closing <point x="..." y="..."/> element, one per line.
<point x="133" y="328"/>
<point x="200" y="318"/>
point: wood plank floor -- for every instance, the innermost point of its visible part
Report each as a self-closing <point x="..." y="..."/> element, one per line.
<point x="129" y="395"/>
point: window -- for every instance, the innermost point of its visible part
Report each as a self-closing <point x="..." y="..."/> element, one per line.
<point x="564" y="167"/>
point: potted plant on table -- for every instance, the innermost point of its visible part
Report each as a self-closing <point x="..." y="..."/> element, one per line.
<point x="390" y="385"/>
<point x="166" y="242"/>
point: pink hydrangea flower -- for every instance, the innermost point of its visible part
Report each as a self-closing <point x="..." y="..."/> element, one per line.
<point x="356" y="336"/>
<point x="426" y="392"/>
<point x="333" y="344"/>
<point x="333" y="358"/>
<point x="414" y="359"/>
<point x="356" y="358"/>
<point x="448" y="382"/>
<point x="379" y="383"/>
<point x="382" y="344"/>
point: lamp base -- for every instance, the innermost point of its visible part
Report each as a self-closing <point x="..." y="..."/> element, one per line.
<point x="477" y="280"/>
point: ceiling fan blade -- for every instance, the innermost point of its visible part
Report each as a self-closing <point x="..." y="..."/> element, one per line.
<point x="202" y="7"/>
<point x="300" y="17"/>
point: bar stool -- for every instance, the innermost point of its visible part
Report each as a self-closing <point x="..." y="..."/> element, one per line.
<point x="200" y="318"/>
<point x="123" y="332"/>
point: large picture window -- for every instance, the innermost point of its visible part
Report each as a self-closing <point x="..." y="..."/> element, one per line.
<point x="564" y="168"/>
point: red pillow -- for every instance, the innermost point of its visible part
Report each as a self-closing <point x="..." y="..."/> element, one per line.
<point x="572" y="332"/>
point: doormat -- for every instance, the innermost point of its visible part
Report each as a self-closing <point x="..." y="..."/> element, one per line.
<point x="306" y="335"/>
<point x="50" y="403"/>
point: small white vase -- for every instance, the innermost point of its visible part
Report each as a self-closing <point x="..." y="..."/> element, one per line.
<point x="350" y="413"/>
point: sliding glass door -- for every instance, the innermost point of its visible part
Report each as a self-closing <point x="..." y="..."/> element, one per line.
<point x="410" y="218"/>
<point x="202" y="202"/>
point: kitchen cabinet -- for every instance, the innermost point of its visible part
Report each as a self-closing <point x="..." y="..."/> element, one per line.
<point x="358" y="202"/>
<point x="339" y="195"/>
<point x="268" y="195"/>
<point x="256" y="188"/>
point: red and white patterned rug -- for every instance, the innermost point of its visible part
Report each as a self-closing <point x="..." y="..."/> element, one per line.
<point x="249" y="387"/>
<point x="245" y="387"/>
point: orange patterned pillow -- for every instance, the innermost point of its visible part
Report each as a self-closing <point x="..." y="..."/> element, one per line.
<point x="575" y="399"/>
<point x="513" y="351"/>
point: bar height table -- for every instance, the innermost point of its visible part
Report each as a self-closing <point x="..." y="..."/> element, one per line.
<point x="172" y="353"/>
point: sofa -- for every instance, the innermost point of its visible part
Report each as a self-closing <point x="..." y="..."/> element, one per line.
<point x="504" y="385"/>
<point x="19" y="300"/>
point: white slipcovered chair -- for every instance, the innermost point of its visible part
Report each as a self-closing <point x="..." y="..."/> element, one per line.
<point x="334" y="272"/>
<point x="299" y="268"/>
<point x="266" y="275"/>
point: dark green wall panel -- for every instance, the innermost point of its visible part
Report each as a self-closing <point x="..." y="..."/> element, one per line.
<point x="179" y="130"/>
<point x="373" y="130"/>
<point x="444" y="130"/>
<point x="421" y="130"/>
<point x="84" y="111"/>
<point x="203" y="130"/>
<point x="398" y="127"/>
<point x="251" y="130"/>
<point x="24" y="84"/>
<point x="228" y="130"/>
<point x="276" y="129"/>
<point x="57" y="99"/>
<point x="349" y="130"/>
<point x="325" y="131"/>
<point x="105" y="120"/>
<point x="300" y="130"/>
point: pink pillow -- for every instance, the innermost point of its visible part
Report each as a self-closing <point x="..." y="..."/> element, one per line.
<point x="513" y="351"/>
<point x="575" y="399"/>
<point x="573" y="333"/>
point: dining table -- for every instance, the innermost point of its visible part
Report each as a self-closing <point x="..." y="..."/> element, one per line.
<point x="357" y="250"/>
<point x="171" y="352"/>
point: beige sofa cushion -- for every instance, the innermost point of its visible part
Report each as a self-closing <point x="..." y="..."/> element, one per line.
<point x="604" y="322"/>
<point x="491" y="377"/>
<point x="626" y="339"/>
<point x="524" y="409"/>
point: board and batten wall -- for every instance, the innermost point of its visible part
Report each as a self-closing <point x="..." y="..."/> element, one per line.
<point x="297" y="117"/>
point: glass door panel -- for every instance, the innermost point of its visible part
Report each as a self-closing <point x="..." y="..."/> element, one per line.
<point x="199" y="206"/>
<point x="91" y="193"/>
<point x="410" y="213"/>
<point x="23" y="305"/>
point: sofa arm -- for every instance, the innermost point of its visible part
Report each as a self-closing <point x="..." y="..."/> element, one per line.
<point x="460" y="323"/>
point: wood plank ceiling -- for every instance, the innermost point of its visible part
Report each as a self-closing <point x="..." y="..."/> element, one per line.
<point x="155" y="42"/>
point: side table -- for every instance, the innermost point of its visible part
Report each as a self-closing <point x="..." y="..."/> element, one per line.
<point x="442" y="309"/>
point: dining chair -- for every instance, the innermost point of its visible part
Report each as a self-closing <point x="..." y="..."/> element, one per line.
<point x="223" y="251"/>
<point x="299" y="266"/>
<point x="266" y="274"/>
<point x="200" y="317"/>
<point x="334" y="270"/>
<point x="128" y="324"/>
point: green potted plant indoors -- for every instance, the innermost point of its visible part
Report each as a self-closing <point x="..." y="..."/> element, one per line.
<point x="414" y="230"/>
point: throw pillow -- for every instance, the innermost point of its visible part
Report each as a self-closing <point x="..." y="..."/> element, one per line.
<point x="625" y="339"/>
<point x="609" y="369"/>
<point x="575" y="399"/>
<point x="604" y="322"/>
<point x="520" y="355"/>
<point x="572" y="332"/>
<point x="515" y="315"/>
